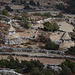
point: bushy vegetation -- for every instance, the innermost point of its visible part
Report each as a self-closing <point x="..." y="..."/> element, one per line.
<point x="17" y="17"/>
<point x="43" y="14"/>
<point x="47" y="15"/>
<point x="60" y="6"/>
<point x="37" y="14"/>
<point x="73" y="35"/>
<point x="24" y="20"/>
<point x="71" y="7"/>
<point x="32" y="67"/>
<point x="68" y="9"/>
<point x="8" y="8"/>
<point x="13" y="1"/>
<point x="68" y="68"/>
<point x="50" y="26"/>
<point x="32" y="2"/>
<point x="71" y="51"/>
<point x="51" y="45"/>
<point x="60" y="15"/>
<point x="5" y="12"/>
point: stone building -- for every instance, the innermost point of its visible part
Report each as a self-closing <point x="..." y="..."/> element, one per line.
<point x="66" y="41"/>
<point x="12" y="37"/>
<point x="11" y="30"/>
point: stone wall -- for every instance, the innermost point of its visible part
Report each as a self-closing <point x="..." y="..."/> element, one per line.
<point x="12" y="41"/>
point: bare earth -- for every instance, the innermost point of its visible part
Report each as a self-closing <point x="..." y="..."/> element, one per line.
<point x="42" y="60"/>
<point x="65" y="26"/>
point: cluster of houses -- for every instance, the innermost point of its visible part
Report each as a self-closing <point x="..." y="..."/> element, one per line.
<point x="14" y="37"/>
<point x="61" y="38"/>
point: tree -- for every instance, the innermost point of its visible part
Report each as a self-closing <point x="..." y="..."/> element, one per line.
<point x="8" y="8"/>
<point x="22" y="2"/>
<point x="48" y="71"/>
<point x="17" y="17"/>
<point x="56" y="27"/>
<point x="68" y="67"/>
<point x="36" y="71"/>
<point x="24" y="20"/>
<point x="32" y="2"/>
<point x="60" y="6"/>
<point x="65" y="70"/>
<point x="71" y="50"/>
<point x="51" y="45"/>
<point x="71" y="65"/>
<point x="42" y="38"/>
<point x="13" y="1"/>
<point x="59" y="15"/>
<point x="50" y="26"/>
<point x="1" y="18"/>
<point x="5" y="12"/>
<point x="47" y="15"/>
<point x="73" y="34"/>
<point x="27" y="7"/>
<point x="38" y="4"/>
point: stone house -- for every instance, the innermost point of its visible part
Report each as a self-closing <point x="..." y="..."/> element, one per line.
<point x="12" y="37"/>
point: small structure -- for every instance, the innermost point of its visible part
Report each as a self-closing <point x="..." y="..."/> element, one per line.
<point x="12" y="37"/>
<point x="66" y="37"/>
<point x="11" y="30"/>
<point x="66" y="41"/>
<point x="63" y="39"/>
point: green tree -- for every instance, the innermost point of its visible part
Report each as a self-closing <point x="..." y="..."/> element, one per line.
<point x="48" y="26"/>
<point x="1" y="18"/>
<point x="71" y="65"/>
<point x="8" y="8"/>
<point x="73" y="34"/>
<point x="48" y="71"/>
<point x="5" y="12"/>
<point x="51" y="45"/>
<point x="60" y="6"/>
<point x="36" y="71"/>
<point x="38" y="4"/>
<point x="22" y="2"/>
<point x="59" y="15"/>
<point x="47" y="15"/>
<point x="24" y="20"/>
<point x="65" y="70"/>
<point x="32" y="2"/>
<point x="13" y="1"/>
<point x="17" y="17"/>
<point x="71" y="50"/>
<point x="68" y="67"/>
<point x="42" y="38"/>
<point x="56" y="27"/>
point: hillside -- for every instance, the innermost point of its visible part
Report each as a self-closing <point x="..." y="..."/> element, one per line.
<point x="7" y="1"/>
<point x="67" y="6"/>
